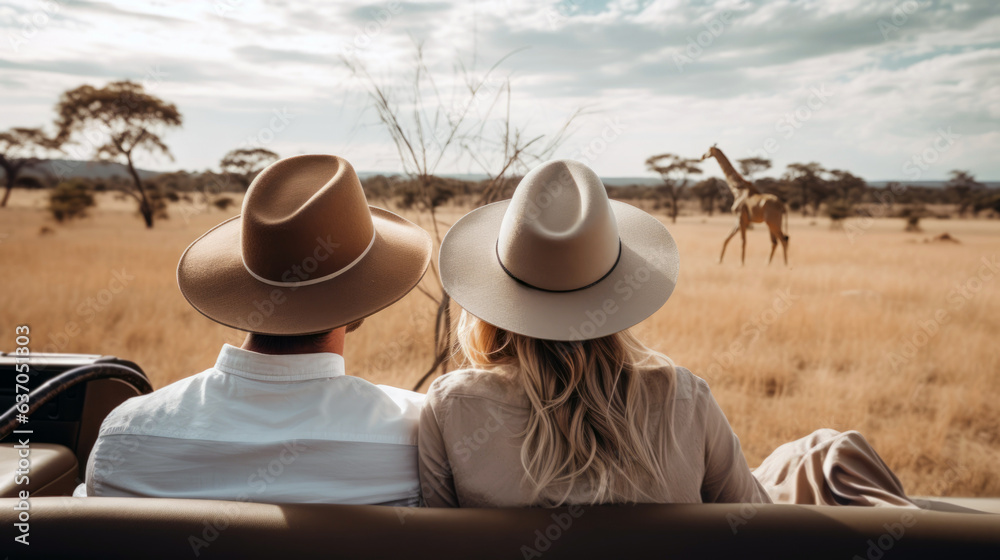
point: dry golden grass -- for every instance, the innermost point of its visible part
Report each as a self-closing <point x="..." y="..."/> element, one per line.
<point x="823" y="362"/>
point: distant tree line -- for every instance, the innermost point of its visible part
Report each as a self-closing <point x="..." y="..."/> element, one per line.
<point x="810" y="189"/>
<point x="836" y="194"/>
<point x="806" y="188"/>
<point x="117" y="122"/>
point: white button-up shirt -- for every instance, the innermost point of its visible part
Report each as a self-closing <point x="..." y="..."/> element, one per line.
<point x="263" y="428"/>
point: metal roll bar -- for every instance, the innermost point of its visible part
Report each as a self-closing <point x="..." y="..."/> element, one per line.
<point x="49" y="390"/>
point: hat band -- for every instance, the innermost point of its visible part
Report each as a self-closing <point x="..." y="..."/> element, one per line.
<point x="311" y="281"/>
<point x="594" y="283"/>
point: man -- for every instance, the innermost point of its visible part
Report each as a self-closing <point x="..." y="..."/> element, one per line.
<point x="277" y="420"/>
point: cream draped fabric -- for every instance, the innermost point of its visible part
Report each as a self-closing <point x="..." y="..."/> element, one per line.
<point x="828" y="467"/>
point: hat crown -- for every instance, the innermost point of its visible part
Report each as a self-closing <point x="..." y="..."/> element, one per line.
<point x="559" y="232"/>
<point x="305" y="217"/>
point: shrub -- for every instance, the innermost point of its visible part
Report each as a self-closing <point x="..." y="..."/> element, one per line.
<point x="990" y="201"/>
<point x="839" y="211"/>
<point x="70" y="200"/>
<point x="223" y="203"/>
<point x="912" y="215"/>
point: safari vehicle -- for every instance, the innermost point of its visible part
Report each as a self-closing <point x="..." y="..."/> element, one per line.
<point x="70" y="394"/>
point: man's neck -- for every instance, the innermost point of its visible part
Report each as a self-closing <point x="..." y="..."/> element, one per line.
<point x="333" y="342"/>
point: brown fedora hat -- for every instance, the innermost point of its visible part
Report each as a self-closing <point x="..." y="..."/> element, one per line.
<point x="559" y="261"/>
<point x="306" y="255"/>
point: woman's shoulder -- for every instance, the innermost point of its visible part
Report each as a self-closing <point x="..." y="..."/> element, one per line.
<point x="500" y="385"/>
<point x="680" y="380"/>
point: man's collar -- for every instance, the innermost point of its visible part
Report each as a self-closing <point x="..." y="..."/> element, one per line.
<point x="287" y="367"/>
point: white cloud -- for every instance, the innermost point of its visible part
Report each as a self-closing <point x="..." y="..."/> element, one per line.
<point x="229" y="63"/>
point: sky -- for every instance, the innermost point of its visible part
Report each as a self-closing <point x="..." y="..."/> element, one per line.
<point x="886" y="89"/>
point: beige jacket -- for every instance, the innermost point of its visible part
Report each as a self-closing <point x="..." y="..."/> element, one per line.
<point x="470" y="451"/>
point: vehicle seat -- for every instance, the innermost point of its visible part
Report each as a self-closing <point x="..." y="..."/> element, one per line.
<point x="173" y="528"/>
<point x="52" y="470"/>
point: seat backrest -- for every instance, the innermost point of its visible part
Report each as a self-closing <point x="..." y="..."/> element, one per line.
<point x="42" y="469"/>
<point x="169" y="528"/>
<point x="78" y="392"/>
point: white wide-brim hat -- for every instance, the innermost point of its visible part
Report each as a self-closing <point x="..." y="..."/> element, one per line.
<point x="560" y="261"/>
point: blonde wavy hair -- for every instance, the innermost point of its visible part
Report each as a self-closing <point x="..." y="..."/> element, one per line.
<point x="591" y="422"/>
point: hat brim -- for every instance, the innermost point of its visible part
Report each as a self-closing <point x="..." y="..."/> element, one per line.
<point x="637" y="287"/>
<point x="212" y="277"/>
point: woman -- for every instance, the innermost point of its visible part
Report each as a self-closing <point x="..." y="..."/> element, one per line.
<point x="561" y="404"/>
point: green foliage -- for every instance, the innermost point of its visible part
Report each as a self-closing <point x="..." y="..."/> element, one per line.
<point x="675" y="172"/>
<point x="70" y="200"/>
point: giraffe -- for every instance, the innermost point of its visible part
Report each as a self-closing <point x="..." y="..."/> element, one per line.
<point x="753" y="207"/>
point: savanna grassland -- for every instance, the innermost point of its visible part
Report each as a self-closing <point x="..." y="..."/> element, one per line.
<point x="870" y="329"/>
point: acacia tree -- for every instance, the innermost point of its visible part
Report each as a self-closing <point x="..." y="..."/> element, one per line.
<point x="675" y="172"/>
<point x="753" y="165"/>
<point x="963" y="187"/>
<point x="807" y="178"/>
<point x="20" y="149"/>
<point x="848" y="187"/>
<point x="118" y="121"/>
<point x="708" y="191"/>
<point x="246" y="163"/>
